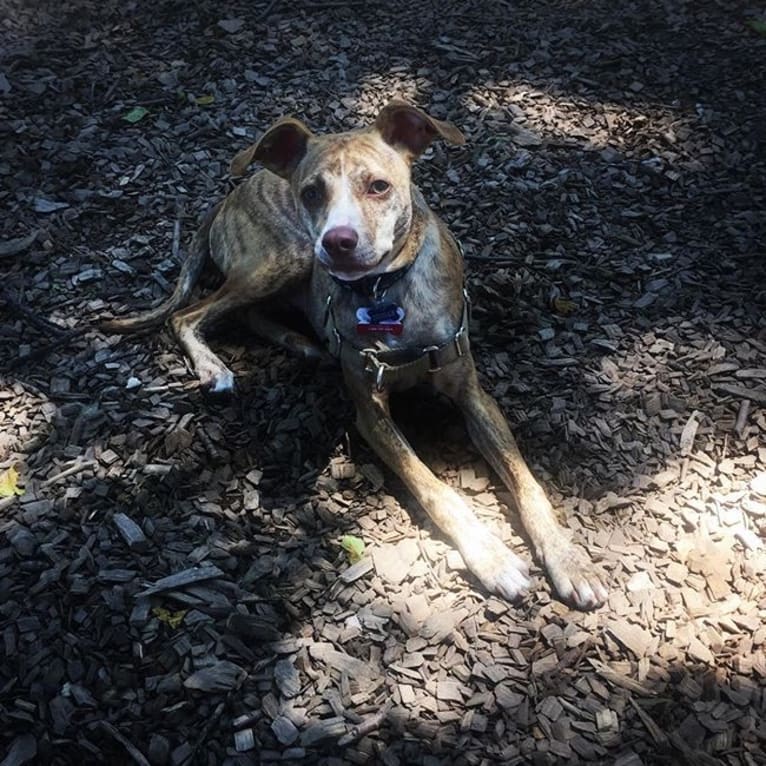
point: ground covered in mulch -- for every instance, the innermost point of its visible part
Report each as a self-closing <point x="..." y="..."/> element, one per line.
<point x="172" y="587"/>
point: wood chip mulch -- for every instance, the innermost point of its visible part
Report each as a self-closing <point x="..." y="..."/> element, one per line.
<point x="172" y="585"/>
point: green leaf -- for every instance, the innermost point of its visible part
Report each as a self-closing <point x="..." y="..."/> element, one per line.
<point x="173" y="619"/>
<point x="135" y="114"/>
<point x="758" y="25"/>
<point x="353" y="546"/>
<point x="564" y="306"/>
<point x="8" y="485"/>
<point x="205" y="100"/>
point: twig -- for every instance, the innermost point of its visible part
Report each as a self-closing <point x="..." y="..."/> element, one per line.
<point x="177" y="231"/>
<point x="618" y="679"/>
<point x="133" y="751"/>
<point x="369" y="724"/>
<point x="421" y="545"/>
<point x="77" y="468"/>
<point x="41" y="324"/>
<point x="742" y="415"/>
<point x="657" y="734"/>
<point x="41" y="351"/>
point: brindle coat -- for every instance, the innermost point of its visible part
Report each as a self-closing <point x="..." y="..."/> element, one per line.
<point x="271" y="239"/>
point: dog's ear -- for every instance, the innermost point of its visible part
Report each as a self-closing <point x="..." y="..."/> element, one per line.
<point x="280" y="149"/>
<point x="410" y="129"/>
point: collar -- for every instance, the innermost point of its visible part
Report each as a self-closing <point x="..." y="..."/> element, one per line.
<point x="375" y="285"/>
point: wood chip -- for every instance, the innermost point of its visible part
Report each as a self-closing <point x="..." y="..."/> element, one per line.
<point x="221" y="676"/>
<point x="130" y="532"/>
<point x="253" y="627"/>
<point x="341" y="661"/>
<point x="689" y="433"/>
<point x="620" y="679"/>
<point x="357" y="571"/>
<point x="319" y="731"/>
<point x="449" y="690"/>
<point x="22" y="750"/>
<point x="758" y="484"/>
<point x="284" y="730"/>
<point x="698" y="651"/>
<point x="287" y="679"/>
<point x="182" y="579"/>
<point x="393" y="562"/>
<point x="632" y="637"/>
<point x="244" y="740"/>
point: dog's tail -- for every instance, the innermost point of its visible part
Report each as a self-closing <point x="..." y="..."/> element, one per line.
<point x="190" y="272"/>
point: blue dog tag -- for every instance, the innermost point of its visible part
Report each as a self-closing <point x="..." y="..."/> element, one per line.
<point x="383" y="318"/>
<point x="383" y="312"/>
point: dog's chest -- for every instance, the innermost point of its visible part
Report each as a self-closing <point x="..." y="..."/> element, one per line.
<point x="404" y="318"/>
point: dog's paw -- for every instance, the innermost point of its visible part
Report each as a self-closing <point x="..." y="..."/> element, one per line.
<point x="216" y="381"/>
<point x="498" y="569"/>
<point x="575" y="577"/>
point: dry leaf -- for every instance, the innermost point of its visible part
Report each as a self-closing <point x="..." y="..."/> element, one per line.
<point x="8" y="483"/>
<point x="564" y="306"/>
<point x="173" y="619"/>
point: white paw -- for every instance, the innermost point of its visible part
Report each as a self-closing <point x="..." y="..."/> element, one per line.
<point x="499" y="569"/>
<point x="576" y="579"/>
<point x="223" y="383"/>
<point x="216" y="380"/>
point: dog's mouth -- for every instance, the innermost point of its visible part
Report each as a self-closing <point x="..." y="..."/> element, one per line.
<point x="354" y="270"/>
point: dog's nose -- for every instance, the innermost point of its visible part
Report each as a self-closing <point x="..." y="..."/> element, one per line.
<point x="340" y="241"/>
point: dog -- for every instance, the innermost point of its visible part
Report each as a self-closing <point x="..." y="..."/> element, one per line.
<point x="334" y="227"/>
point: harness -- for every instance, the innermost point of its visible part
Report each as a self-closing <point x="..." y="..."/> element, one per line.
<point x="387" y="366"/>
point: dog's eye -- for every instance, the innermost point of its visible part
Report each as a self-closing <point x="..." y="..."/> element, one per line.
<point x="378" y="187"/>
<point x="310" y="195"/>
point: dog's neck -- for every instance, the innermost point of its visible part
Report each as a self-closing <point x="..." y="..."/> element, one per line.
<point x="411" y="242"/>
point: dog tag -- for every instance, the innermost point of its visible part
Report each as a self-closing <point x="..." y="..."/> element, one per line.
<point x="383" y="312"/>
<point x="383" y="318"/>
<point x="389" y="328"/>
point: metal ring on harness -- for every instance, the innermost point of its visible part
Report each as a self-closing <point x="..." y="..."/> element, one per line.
<point x="373" y="364"/>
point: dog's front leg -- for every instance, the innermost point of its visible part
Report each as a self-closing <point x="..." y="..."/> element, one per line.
<point x="499" y="570"/>
<point x="575" y="578"/>
<point x="190" y="323"/>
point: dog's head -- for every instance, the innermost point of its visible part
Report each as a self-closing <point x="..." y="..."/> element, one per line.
<point x="352" y="190"/>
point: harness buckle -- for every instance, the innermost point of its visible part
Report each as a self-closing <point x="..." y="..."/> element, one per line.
<point x="457" y="341"/>
<point x="374" y="365"/>
<point x="433" y="359"/>
<point x="463" y="329"/>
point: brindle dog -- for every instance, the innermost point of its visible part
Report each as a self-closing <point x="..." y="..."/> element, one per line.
<point x="335" y="227"/>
